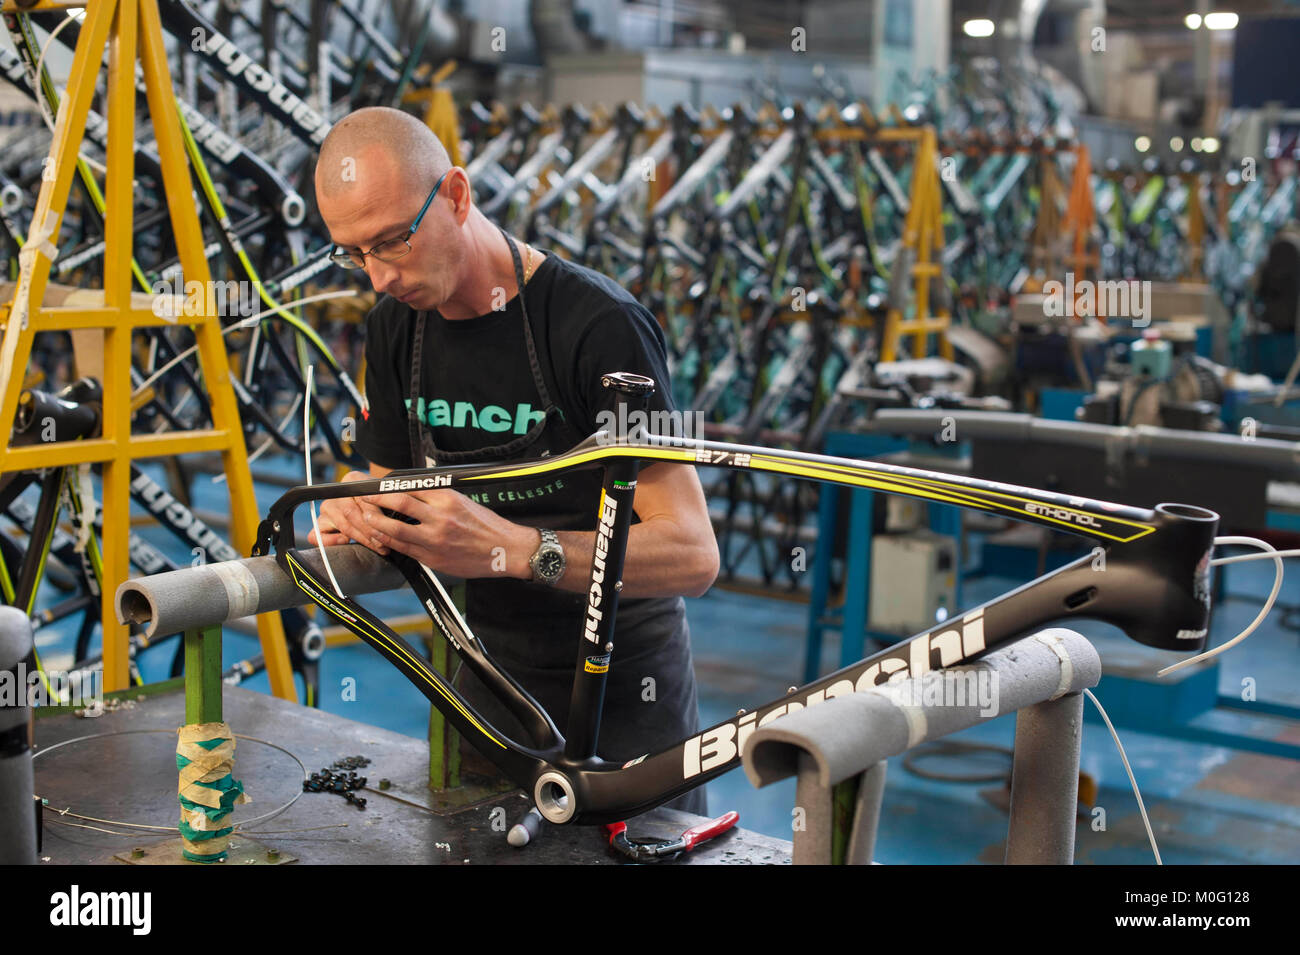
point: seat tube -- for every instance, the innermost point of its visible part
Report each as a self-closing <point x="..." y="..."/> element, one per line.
<point x="613" y="519"/>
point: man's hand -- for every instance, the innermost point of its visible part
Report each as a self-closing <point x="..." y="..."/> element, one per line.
<point x="342" y="520"/>
<point x="671" y="552"/>
<point x="451" y="534"/>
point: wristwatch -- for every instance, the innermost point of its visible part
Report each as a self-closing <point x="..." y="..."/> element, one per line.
<point x="547" y="561"/>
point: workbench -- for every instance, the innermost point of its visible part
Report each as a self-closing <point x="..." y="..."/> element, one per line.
<point x="131" y="776"/>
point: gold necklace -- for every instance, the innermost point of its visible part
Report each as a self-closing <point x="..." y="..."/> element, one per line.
<point x="528" y="262"/>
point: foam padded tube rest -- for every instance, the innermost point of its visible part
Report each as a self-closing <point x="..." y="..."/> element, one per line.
<point x="213" y="594"/>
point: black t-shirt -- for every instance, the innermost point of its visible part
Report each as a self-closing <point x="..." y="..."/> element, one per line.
<point x="477" y="391"/>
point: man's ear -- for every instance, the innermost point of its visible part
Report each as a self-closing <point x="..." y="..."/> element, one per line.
<point x="462" y="196"/>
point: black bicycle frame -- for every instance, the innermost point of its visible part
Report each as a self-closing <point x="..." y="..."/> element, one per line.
<point x="228" y="61"/>
<point x="1152" y="581"/>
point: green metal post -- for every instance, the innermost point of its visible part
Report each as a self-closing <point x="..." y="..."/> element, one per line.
<point x="444" y="740"/>
<point x="844" y="798"/>
<point x="203" y="675"/>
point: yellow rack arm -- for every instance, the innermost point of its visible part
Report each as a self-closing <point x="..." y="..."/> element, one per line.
<point x="921" y="247"/>
<point x="129" y="29"/>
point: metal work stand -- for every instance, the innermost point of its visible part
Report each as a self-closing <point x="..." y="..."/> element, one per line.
<point x="849" y="737"/>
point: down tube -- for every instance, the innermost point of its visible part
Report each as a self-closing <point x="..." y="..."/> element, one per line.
<point x="611" y="794"/>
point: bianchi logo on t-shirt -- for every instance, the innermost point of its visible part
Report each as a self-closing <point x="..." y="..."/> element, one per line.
<point x="495" y="419"/>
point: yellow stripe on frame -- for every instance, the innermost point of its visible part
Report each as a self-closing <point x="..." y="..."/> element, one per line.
<point x="398" y="648"/>
<point x="1145" y="528"/>
<point x="929" y="488"/>
<point x="823" y="472"/>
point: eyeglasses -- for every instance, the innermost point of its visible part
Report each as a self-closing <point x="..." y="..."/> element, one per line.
<point x="389" y="250"/>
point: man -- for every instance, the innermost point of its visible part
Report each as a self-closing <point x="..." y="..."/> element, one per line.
<point x="462" y="367"/>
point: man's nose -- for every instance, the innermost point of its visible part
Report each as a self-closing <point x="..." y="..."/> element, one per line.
<point x="382" y="274"/>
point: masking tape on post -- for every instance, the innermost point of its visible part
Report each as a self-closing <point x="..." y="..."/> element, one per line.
<point x="88" y="501"/>
<point x="39" y="242"/>
<point x="1057" y="646"/>
<point x="205" y="754"/>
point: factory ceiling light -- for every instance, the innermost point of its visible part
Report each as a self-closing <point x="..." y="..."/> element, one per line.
<point x="1221" y="21"/>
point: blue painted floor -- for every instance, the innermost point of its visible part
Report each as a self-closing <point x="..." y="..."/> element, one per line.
<point x="1208" y="804"/>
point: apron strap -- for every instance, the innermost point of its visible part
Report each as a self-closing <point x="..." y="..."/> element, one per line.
<point x="421" y="438"/>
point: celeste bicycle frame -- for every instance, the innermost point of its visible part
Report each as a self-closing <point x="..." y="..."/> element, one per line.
<point x="1153" y="583"/>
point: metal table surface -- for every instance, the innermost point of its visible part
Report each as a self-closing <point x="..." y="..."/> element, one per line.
<point x="129" y="775"/>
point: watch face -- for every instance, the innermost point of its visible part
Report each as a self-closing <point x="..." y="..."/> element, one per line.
<point x="549" y="565"/>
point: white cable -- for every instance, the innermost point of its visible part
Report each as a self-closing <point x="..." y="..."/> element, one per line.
<point x="1271" y="552"/>
<point x="295" y="304"/>
<point x="306" y="451"/>
<point x="45" y="108"/>
<point x="250" y="368"/>
<point x="267" y="442"/>
<point x="40" y="65"/>
<point x="1128" y="769"/>
<point x="1240" y="557"/>
<point x="1285" y="390"/>
<point x="36" y="754"/>
<point x="185" y="399"/>
<point x="244" y="323"/>
<point x="261" y="449"/>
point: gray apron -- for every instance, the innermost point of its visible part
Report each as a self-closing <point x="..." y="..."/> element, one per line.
<point x="650" y="697"/>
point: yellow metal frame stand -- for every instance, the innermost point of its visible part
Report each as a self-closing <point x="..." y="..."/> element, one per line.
<point x="130" y="30"/>
<point x="921" y="247"/>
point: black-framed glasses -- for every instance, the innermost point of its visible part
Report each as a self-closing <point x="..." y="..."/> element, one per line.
<point x="390" y="250"/>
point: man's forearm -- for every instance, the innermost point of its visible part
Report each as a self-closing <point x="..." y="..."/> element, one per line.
<point x="662" y="560"/>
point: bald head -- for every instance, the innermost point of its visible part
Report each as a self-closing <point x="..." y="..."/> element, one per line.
<point x="379" y="169"/>
<point x="378" y="138"/>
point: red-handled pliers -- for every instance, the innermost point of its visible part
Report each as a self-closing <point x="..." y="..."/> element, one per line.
<point x="658" y="851"/>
